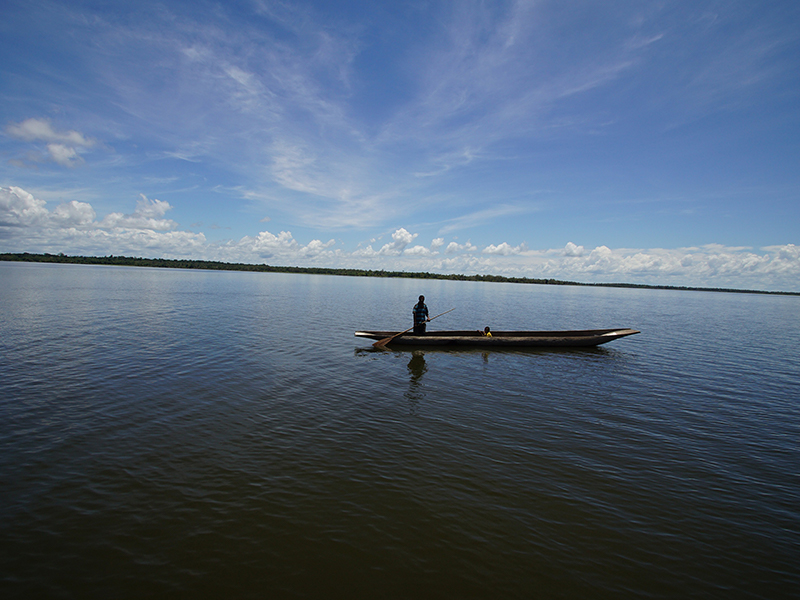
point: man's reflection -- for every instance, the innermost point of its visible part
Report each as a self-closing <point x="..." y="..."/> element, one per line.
<point x="416" y="368"/>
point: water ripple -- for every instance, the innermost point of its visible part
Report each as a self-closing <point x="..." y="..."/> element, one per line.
<point x="182" y="433"/>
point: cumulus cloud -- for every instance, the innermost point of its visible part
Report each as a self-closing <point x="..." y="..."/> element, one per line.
<point x="366" y="252"/>
<point x="316" y="248"/>
<point x="19" y="208"/>
<point x="418" y="251"/>
<point x="788" y="253"/>
<point x="146" y="216"/>
<point x="267" y="245"/>
<point x="454" y="247"/>
<point x="279" y="248"/>
<point x="504" y="249"/>
<point x="62" y="147"/>
<point x="573" y="250"/>
<point x="433" y="250"/>
<point x="72" y="227"/>
<point x="74" y="214"/>
<point x="400" y="239"/>
<point x="27" y="225"/>
<point x="712" y="265"/>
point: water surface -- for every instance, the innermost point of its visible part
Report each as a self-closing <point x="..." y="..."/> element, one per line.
<point x="197" y="433"/>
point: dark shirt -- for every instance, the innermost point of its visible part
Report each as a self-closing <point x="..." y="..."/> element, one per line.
<point x="420" y="313"/>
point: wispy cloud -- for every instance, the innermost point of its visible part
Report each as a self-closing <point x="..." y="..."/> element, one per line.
<point x="282" y="115"/>
<point x="484" y="216"/>
<point x="432" y="119"/>
<point x="488" y="80"/>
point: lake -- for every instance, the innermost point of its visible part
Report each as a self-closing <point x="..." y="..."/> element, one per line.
<point x="171" y="433"/>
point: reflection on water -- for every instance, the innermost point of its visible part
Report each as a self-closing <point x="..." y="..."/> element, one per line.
<point x="416" y="368"/>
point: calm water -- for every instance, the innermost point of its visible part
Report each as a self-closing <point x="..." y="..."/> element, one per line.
<point x="200" y="434"/>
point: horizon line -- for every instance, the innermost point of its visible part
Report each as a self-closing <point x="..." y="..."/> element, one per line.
<point x="201" y="264"/>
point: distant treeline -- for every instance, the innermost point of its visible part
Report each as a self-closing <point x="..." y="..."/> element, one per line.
<point x="127" y="261"/>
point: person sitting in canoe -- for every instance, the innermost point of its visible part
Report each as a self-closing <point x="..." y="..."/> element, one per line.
<point x="420" y="313"/>
<point x="486" y="332"/>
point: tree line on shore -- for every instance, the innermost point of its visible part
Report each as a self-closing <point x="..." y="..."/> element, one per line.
<point x="168" y="263"/>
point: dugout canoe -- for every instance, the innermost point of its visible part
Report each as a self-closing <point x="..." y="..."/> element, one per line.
<point x="503" y="339"/>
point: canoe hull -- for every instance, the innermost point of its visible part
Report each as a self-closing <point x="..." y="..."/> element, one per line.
<point x="504" y="339"/>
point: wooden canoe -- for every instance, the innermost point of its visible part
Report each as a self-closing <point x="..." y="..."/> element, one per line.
<point x="503" y="339"/>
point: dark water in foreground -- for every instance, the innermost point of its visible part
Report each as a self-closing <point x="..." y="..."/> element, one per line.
<point x="199" y="434"/>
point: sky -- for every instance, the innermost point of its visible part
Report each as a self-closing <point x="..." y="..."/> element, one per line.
<point x="637" y="141"/>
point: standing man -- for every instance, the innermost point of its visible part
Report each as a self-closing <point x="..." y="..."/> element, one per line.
<point x="420" y="312"/>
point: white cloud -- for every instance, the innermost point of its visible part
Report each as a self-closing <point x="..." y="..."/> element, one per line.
<point x="788" y="253"/>
<point x="365" y="252"/>
<point x="573" y="250"/>
<point x="146" y="216"/>
<point x="433" y="250"/>
<point x="268" y="245"/>
<point x="74" y="214"/>
<point x="418" y="251"/>
<point x="63" y="155"/>
<point x="20" y="208"/>
<point x="713" y="265"/>
<point x="40" y="130"/>
<point x="26" y="225"/>
<point x="504" y="249"/>
<point x="62" y="147"/>
<point x="316" y="248"/>
<point x="454" y="247"/>
<point x="400" y="239"/>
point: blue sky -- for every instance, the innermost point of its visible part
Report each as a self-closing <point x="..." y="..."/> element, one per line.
<point x="649" y="142"/>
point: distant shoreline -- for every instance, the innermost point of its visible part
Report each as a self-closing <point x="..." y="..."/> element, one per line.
<point x="125" y="261"/>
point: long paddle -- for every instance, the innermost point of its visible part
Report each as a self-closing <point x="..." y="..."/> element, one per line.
<point x="384" y="341"/>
